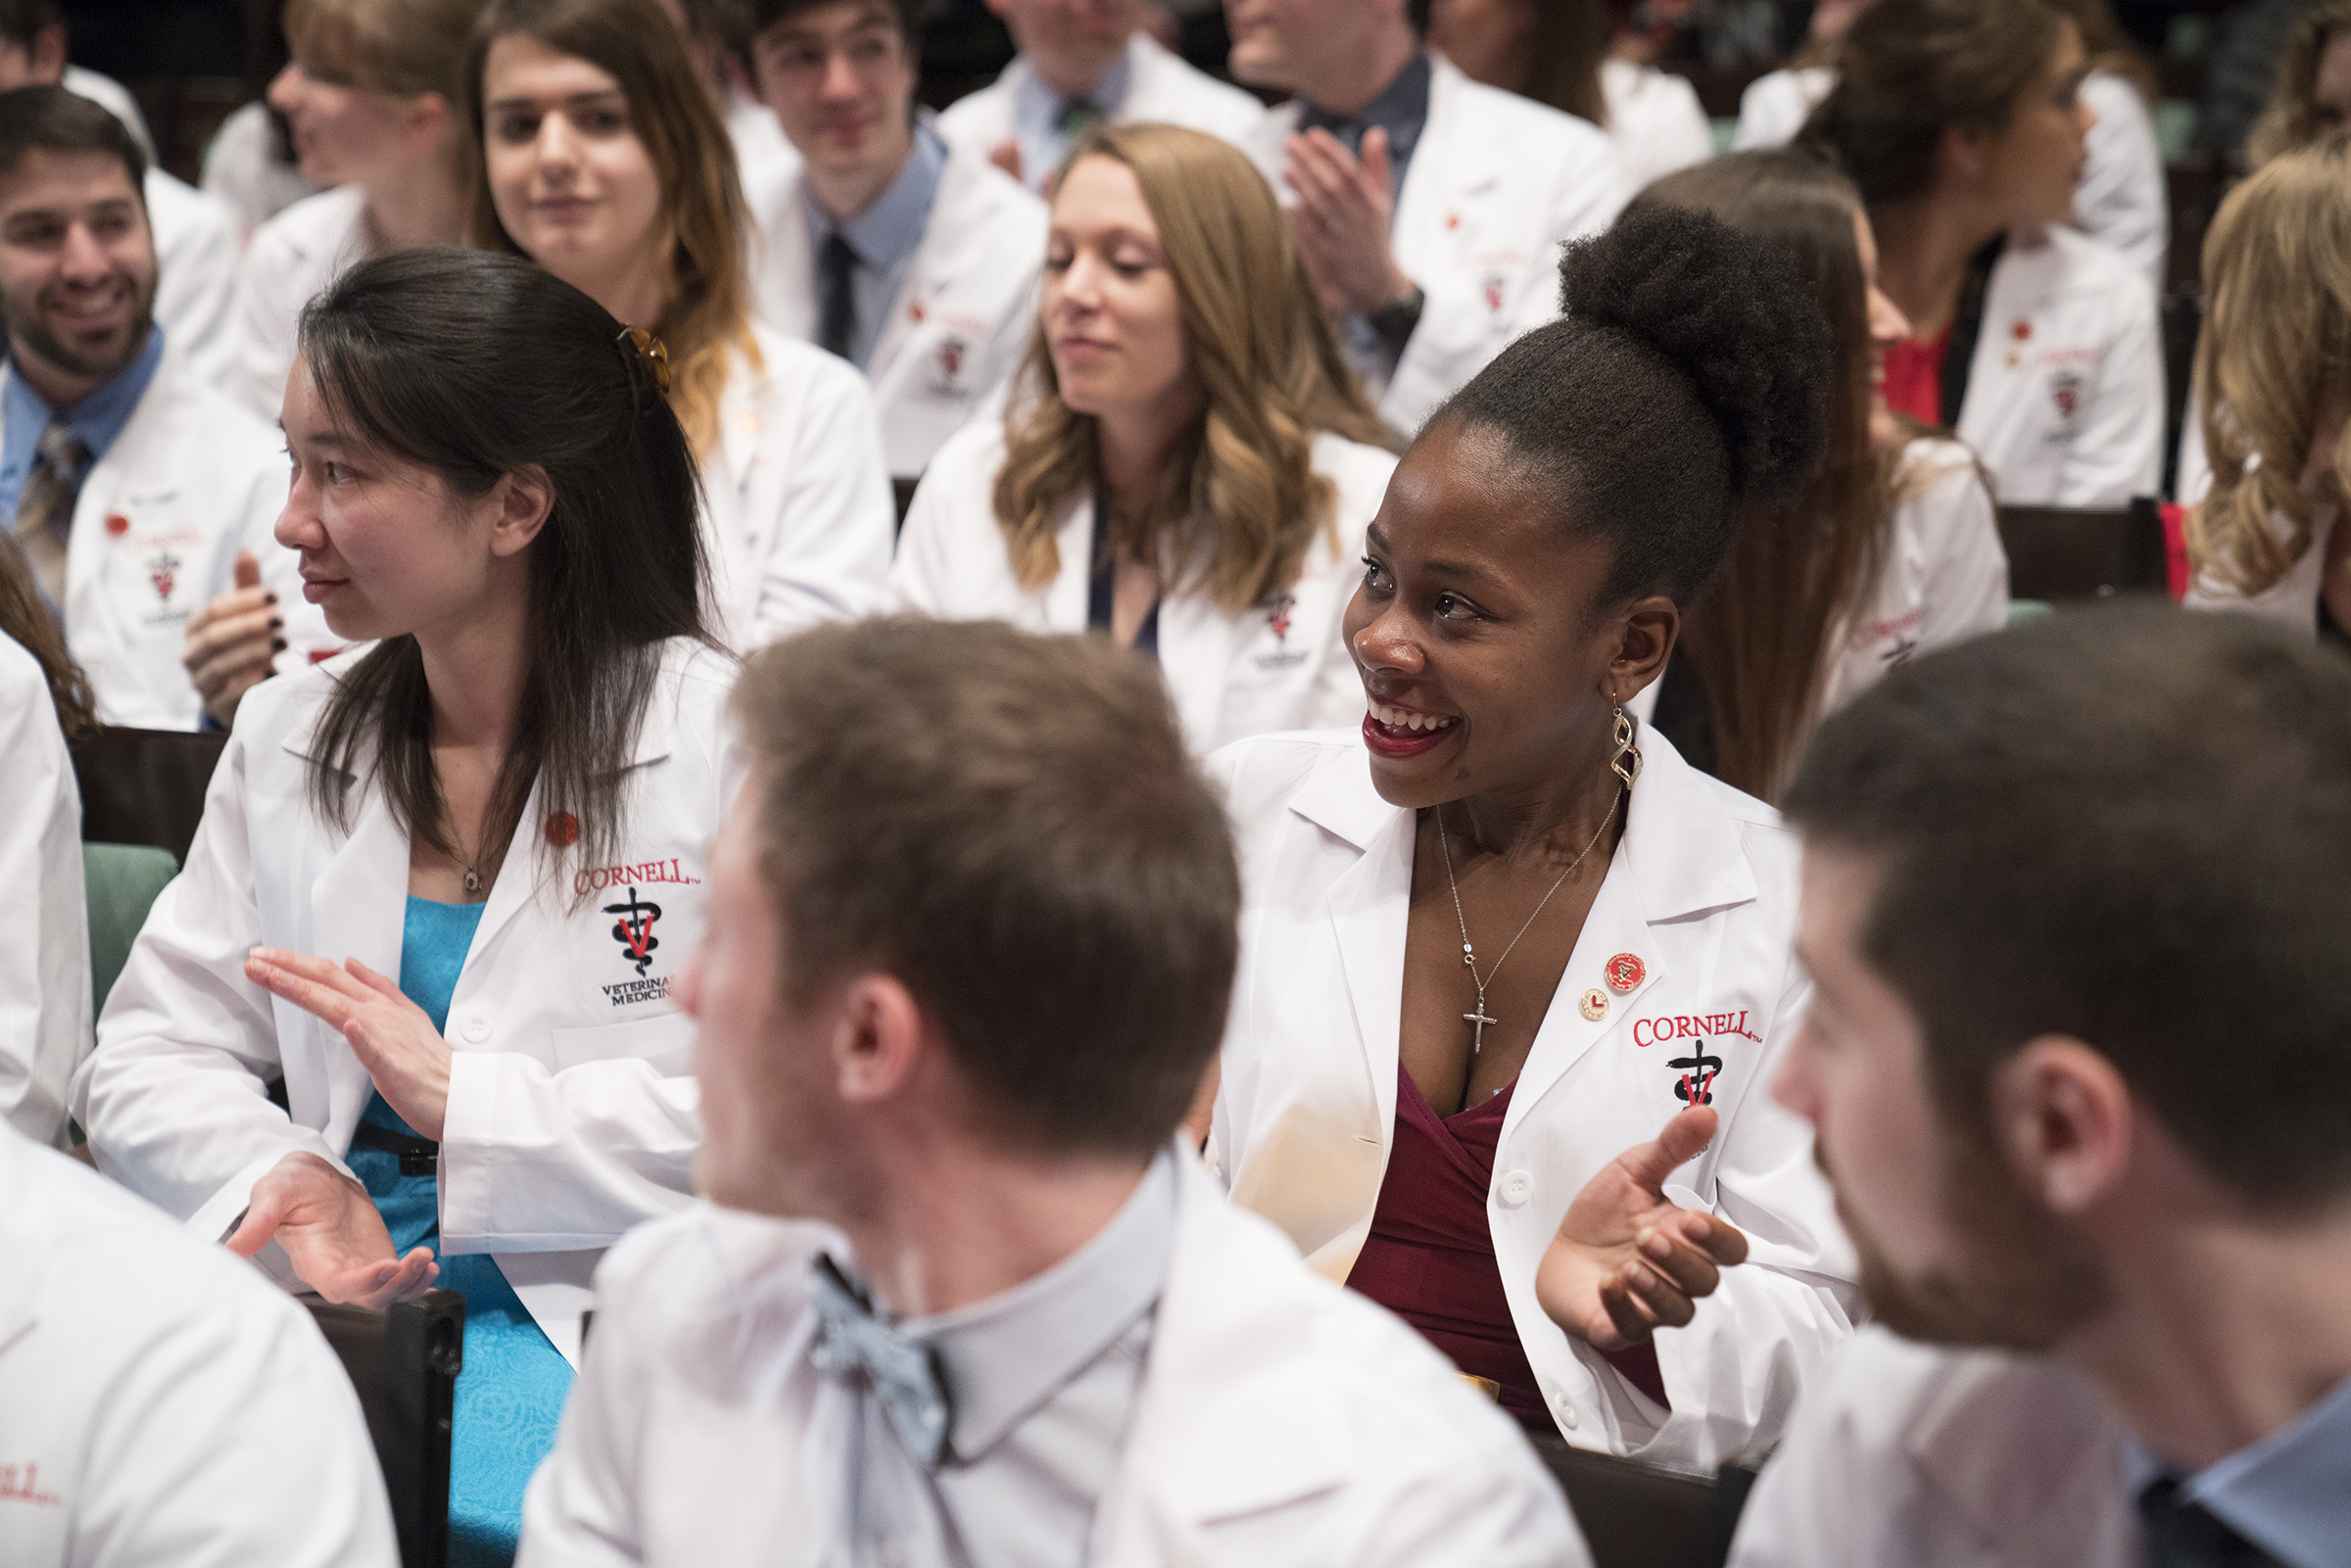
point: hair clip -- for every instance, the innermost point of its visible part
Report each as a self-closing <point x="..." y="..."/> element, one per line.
<point x="653" y="351"/>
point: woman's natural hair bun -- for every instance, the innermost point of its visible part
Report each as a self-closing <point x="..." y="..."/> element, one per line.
<point x="1730" y="312"/>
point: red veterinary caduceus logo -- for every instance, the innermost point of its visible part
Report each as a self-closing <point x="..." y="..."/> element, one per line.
<point x="634" y="930"/>
<point x="1280" y="618"/>
<point x="162" y="571"/>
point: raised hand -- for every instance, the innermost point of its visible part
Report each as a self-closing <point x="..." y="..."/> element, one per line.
<point x="1625" y="1261"/>
<point x="389" y="1035"/>
<point x="233" y="642"/>
<point x="1342" y="217"/>
<point x="332" y="1234"/>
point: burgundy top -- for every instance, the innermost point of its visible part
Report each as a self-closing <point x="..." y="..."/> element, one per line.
<point x="1431" y="1255"/>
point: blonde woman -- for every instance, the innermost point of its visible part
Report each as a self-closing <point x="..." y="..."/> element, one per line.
<point x="601" y="157"/>
<point x="371" y="94"/>
<point x="2272" y="380"/>
<point x="1185" y="464"/>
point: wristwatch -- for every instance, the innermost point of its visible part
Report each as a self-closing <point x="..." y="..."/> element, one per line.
<point x="1397" y="320"/>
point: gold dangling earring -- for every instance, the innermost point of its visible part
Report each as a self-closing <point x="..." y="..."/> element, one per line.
<point x="1625" y="761"/>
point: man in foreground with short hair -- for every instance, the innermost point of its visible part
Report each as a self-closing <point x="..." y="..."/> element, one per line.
<point x="957" y="1297"/>
<point x="2078" y="1059"/>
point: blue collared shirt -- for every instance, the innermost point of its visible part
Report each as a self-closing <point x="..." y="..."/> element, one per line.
<point x="2290" y="1493"/>
<point x="1045" y="1379"/>
<point x="1400" y="109"/>
<point x="97" y="420"/>
<point x="1036" y="115"/>
<point x="885" y="236"/>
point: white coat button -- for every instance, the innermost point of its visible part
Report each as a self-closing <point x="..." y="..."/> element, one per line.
<point x="476" y="1029"/>
<point x="1517" y="1188"/>
<point x="1566" y="1415"/>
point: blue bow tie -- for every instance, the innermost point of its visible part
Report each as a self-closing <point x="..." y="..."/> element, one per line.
<point x="906" y="1374"/>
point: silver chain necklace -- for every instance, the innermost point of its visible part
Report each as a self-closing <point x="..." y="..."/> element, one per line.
<point x="1477" y="1020"/>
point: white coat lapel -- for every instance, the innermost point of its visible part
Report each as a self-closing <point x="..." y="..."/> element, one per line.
<point x="1225" y="1424"/>
<point x="1315" y="1174"/>
<point x="358" y="909"/>
<point x="790" y="298"/>
<point x="1067" y="598"/>
<point x="1681" y="855"/>
<point x="1195" y="657"/>
<point x="141" y="469"/>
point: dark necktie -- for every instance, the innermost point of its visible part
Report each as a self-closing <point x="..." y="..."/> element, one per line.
<point x="2188" y="1534"/>
<point x="1076" y="116"/>
<point x="837" y="327"/>
<point x="45" y="508"/>
<point x="903" y="1373"/>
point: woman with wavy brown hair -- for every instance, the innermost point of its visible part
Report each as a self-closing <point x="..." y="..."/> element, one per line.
<point x="599" y="154"/>
<point x="2274" y="381"/>
<point x="1186" y="463"/>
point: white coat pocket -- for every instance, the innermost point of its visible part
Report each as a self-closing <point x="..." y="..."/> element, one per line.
<point x="666" y="1043"/>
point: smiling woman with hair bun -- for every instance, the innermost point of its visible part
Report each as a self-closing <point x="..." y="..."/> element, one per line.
<point x="1513" y="974"/>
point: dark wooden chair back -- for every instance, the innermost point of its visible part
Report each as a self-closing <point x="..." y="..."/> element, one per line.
<point x="2057" y="553"/>
<point x="404" y="1361"/>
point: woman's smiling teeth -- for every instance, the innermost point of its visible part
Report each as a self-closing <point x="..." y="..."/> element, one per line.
<point x="1405" y="719"/>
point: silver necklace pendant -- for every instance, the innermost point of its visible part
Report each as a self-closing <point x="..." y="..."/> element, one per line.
<point x="473" y="880"/>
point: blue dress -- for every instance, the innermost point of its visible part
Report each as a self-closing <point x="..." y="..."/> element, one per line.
<point x="511" y="1393"/>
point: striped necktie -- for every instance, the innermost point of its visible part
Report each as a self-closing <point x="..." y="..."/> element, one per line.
<point x="45" y="510"/>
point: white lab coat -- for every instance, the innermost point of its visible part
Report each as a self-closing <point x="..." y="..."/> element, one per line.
<point x="2120" y="198"/>
<point x="1702" y="891"/>
<point x="1910" y="1455"/>
<point x="572" y="1114"/>
<point x="959" y="325"/>
<point x="113" y="96"/>
<point x="45" y="970"/>
<point x="2291" y="600"/>
<point x="1775" y="106"/>
<point x="1279" y="1421"/>
<point x="290" y="258"/>
<point x="196" y="244"/>
<point x="1161" y="88"/>
<point x="191" y="480"/>
<point x="242" y="169"/>
<point x="763" y="154"/>
<point x="159" y="1401"/>
<point x="1497" y="186"/>
<point x="1655" y="120"/>
<point x="798" y="514"/>
<point x="1280" y="666"/>
<point x="1943" y="576"/>
<point x="2065" y="393"/>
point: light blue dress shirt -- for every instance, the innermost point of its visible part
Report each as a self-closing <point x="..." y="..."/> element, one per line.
<point x="1037" y="112"/>
<point x="885" y="236"/>
<point x="1045" y="1379"/>
<point x="2290" y="1493"/>
<point x="97" y="420"/>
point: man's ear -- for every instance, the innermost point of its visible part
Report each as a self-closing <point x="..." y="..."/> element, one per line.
<point x="881" y="1040"/>
<point x="2066" y="1120"/>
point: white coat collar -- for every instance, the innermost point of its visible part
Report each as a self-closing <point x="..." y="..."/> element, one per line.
<point x="1681" y="840"/>
<point x="1681" y="856"/>
<point x="358" y="904"/>
<point x="2053" y="1461"/>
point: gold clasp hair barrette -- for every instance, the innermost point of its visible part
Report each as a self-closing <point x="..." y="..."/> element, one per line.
<point x="653" y="351"/>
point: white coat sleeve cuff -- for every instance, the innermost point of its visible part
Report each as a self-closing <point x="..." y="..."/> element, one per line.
<point x="221" y="1212"/>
